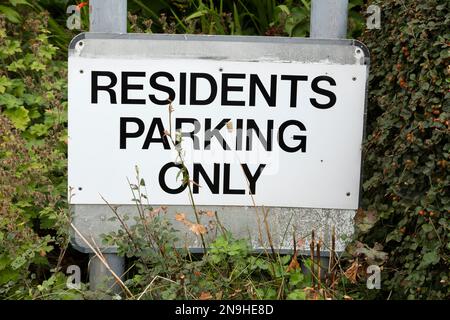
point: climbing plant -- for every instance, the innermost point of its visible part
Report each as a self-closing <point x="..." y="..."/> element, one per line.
<point x="406" y="154"/>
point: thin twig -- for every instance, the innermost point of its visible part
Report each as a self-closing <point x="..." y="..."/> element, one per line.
<point x="122" y="222"/>
<point x="269" y="235"/>
<point x="140" y="208"/>
<point x="102" y="259"/>
<point x="186" y="171"/>
<point x="151" y="283"/>
<point x="332" y="267"/>
<point x="222" y="228"/>
<point x="311" y="246"/>
<point x="318" y="263"/>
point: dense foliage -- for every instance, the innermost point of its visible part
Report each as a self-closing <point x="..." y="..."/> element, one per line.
<point x="404" y="226"/>
<point x="406" y="155"/>
<point x="227" y="270"/>
<point x="33" y="210"/>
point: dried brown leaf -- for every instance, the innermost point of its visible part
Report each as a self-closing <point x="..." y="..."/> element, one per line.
<point x="205" y="296"/>
<point x="180" y="217"/>
<point x="293" y="265"/>
<point x="352" y="272"/>
<point x="198" y="229"/>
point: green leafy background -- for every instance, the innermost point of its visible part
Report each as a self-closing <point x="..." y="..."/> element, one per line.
<point x="404" y="223"/>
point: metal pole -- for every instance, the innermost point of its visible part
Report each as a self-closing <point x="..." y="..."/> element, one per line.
<point x="100" y="277"/>
<point x="329" y="19"/>
<point x="107" y="16"/>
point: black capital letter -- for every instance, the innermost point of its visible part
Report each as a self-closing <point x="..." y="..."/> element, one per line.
<point x="193" y="92"/>
<point x="301" y="146"/>
<point x="156" y="122"/>
<point x="226" y="88"/>
<point x="329" y="94"/>
<point x="161" y="87"/>
<point x="123" y="130"/>
<point x="294" y="80"/>
<point x="226" y="182"/>
<point x="270" y="99"/>
<point x="215" y="133"/>
<point x="253" y="178"/>
<point x="162" y="181"/>
<point x="95" y="88"/>
<point x="179" y="123"/>
<point x="213" y="186"/>
<point x="126" y="86"/>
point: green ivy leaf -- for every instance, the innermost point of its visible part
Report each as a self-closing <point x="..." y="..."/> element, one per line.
<point x="296" y="277"/>
<point x="427" y="227"/>
<point x="4" y="83"/>
<point x="37" y="66"/>
<point x="196" y="14"/>
<point x="295" y="20"/>
<point x="297" y="294"/>
<point x="10" y="14"/>
<point x="19" y="117"/>
<point x="9" y="101"/>
<point x="16" y="2"/>
<point x="430" y="258"/>
<point x="38" y="129"/>
<point x="16" y="65"/>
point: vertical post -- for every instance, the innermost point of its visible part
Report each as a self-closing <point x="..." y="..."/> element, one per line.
<point x="100" y="277"/>
<point x="329" y="19"/>
<point x="107" y="16"/>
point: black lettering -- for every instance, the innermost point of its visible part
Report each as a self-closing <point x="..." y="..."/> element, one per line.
<point x="182" y="89"/>
<point x="123" y="130"/>
<point x="294" y="80"/>
<point x="162" y="88"/>
<point x="239" y="134"/>
<point x="227" y="88"/>
<point x="156" y="123"/>
<point x="215" y="133"/>
<point x="226" y="182"/>
<point x="329" y="94"/>
<point x="253" y="178"/>
<point x="301" y="146"/>
<point x="162" y="181"/>
<point x="179" y="124"/>
<point x="266" y="142"/>
<point x="270" y="99"/>
<point x="95" y="88"/>
<point x="213" y="186"/>
<point x="193" y="90"/>
<point x="126" y="86"/>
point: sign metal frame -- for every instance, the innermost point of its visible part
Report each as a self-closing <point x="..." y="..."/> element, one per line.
<point x="93" y="220"/>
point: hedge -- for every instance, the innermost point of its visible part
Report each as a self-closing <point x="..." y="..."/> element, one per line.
<point x="406" y="153"/>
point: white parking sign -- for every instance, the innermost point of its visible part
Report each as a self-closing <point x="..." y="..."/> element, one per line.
<point x="277" y="131"/>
